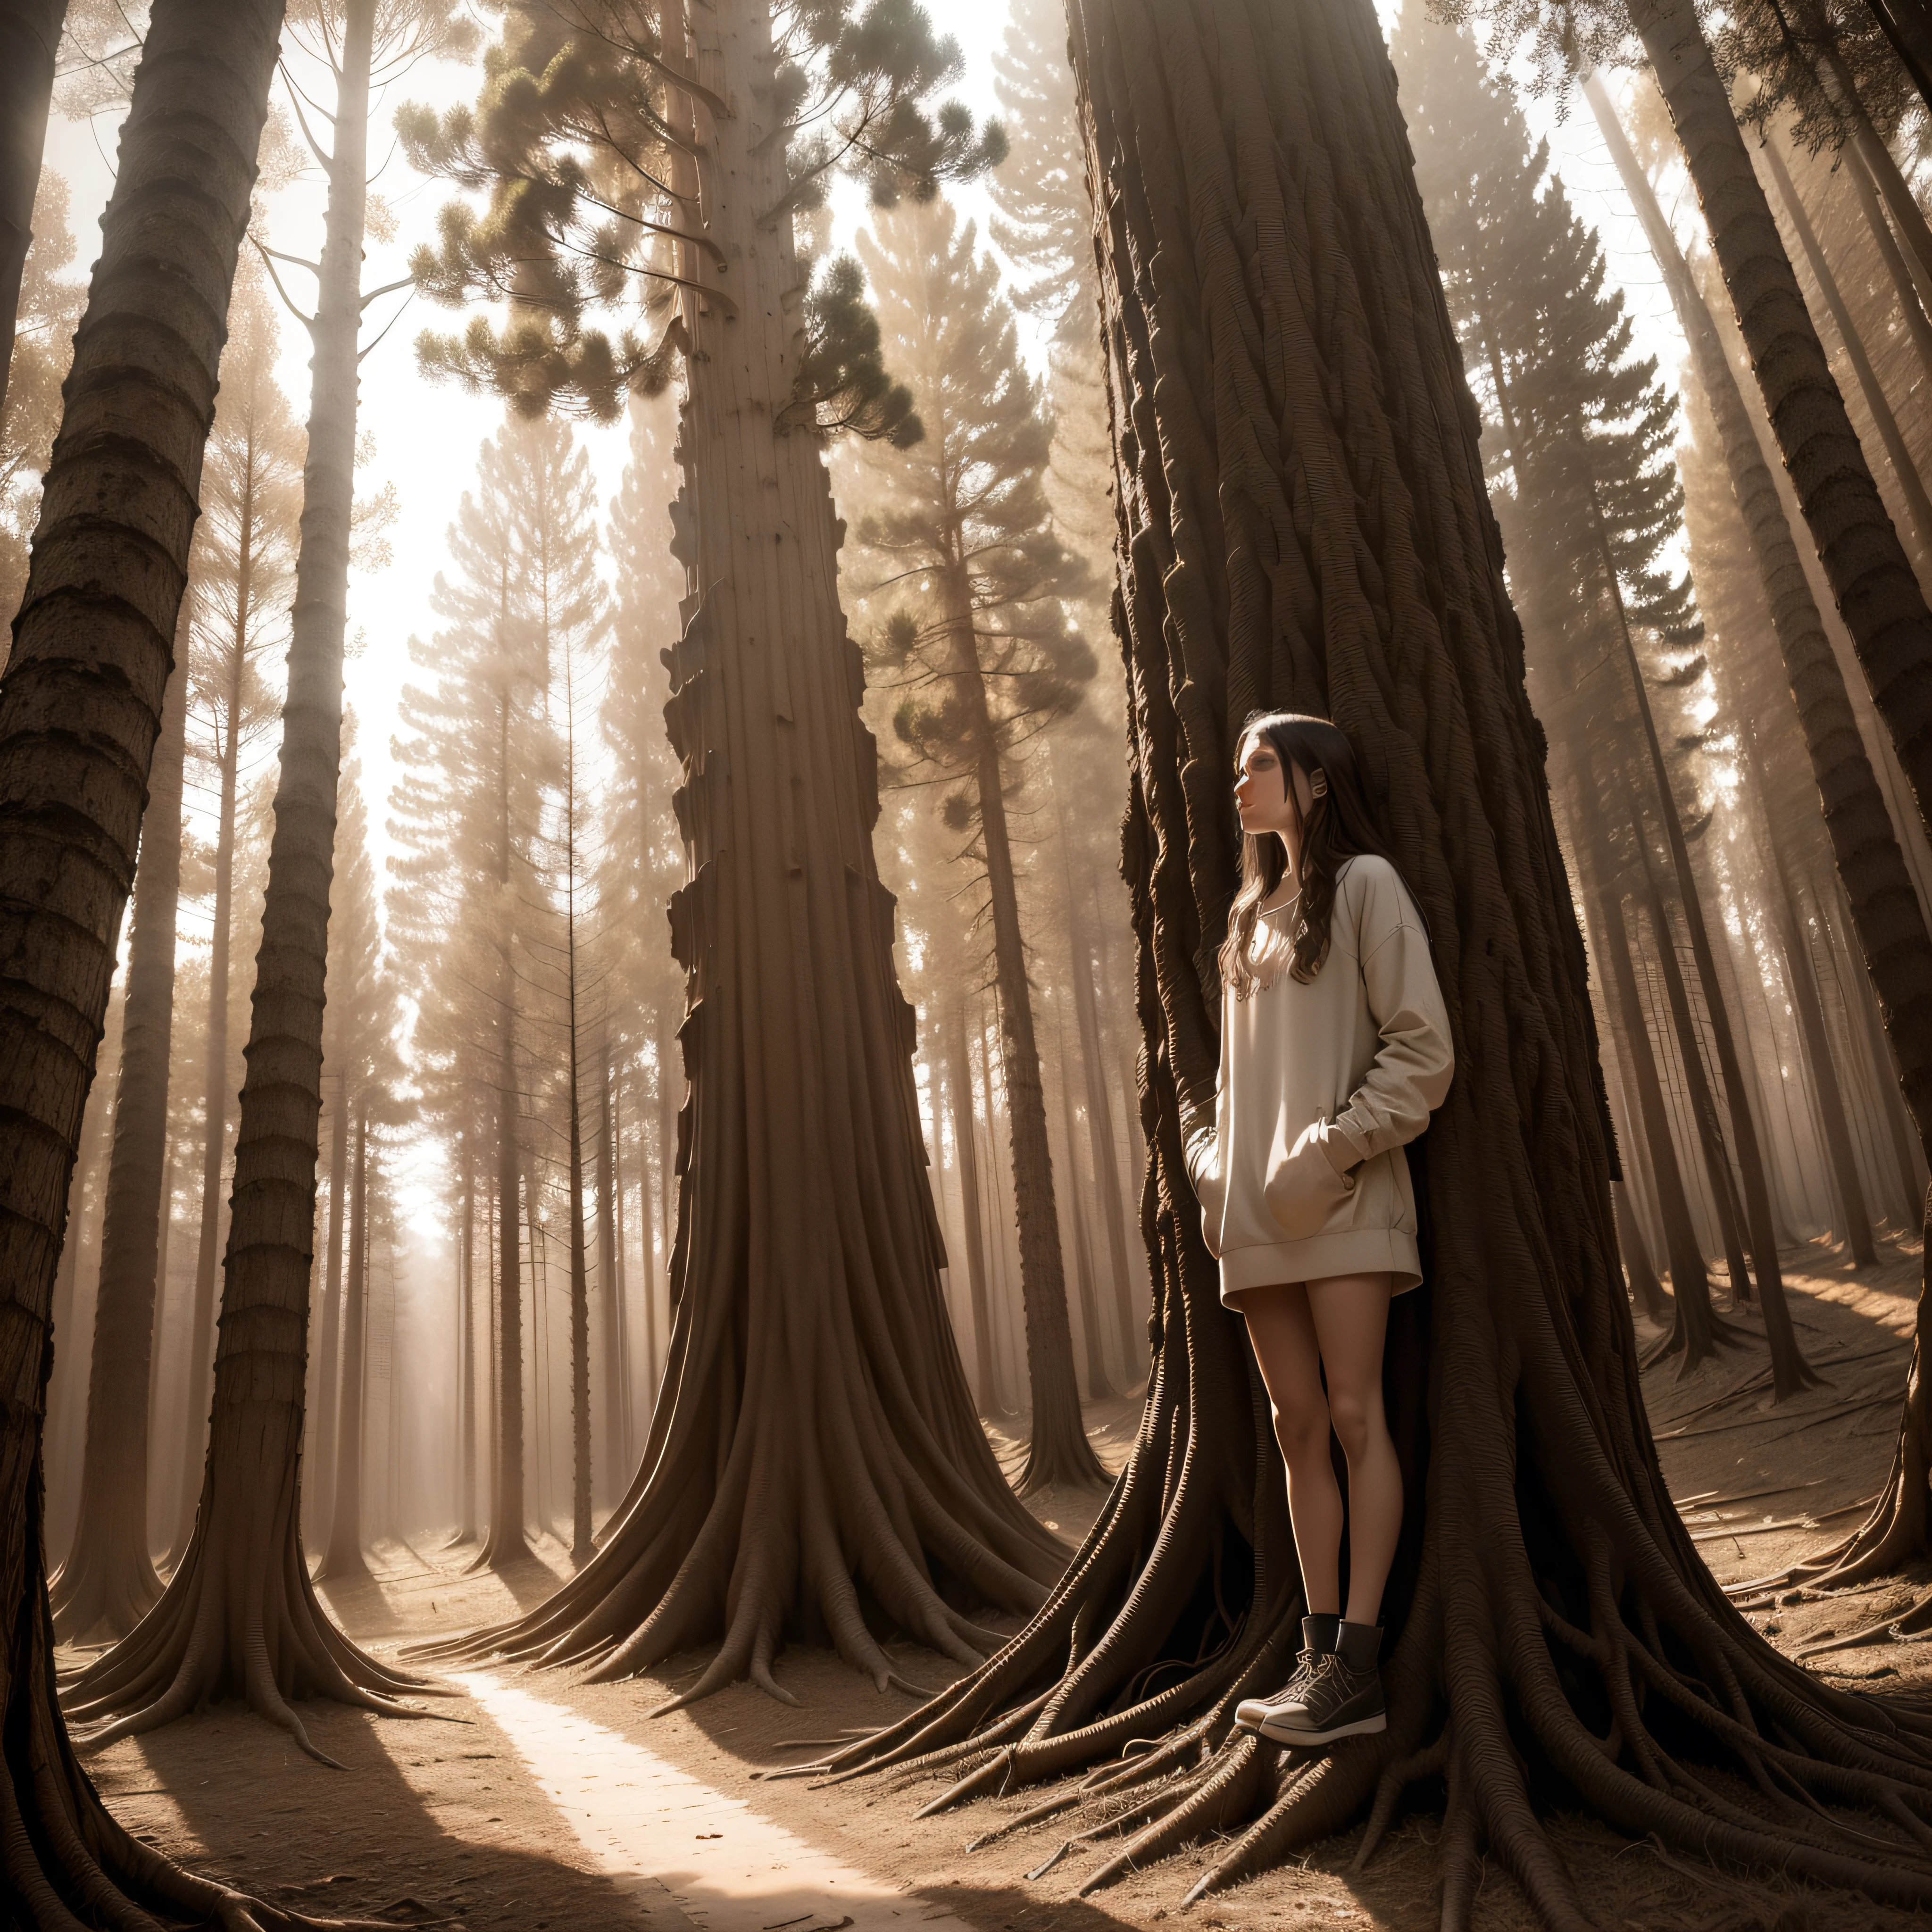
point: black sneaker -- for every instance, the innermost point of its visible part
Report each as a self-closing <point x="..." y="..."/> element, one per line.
<point x="1341" y="1699"/>
<point x="1318" y="1641"/>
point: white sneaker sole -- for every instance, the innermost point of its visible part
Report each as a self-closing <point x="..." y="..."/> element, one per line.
<point x="1281" y="1734"/>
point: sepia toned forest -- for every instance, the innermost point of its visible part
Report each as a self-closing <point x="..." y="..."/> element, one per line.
<point x="630" y="623"/>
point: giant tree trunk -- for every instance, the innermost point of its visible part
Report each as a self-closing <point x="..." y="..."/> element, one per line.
<point x="1303" y="521"/>
<point x="815" y="1433"/>
<point x="240" y="1617"/>
<point x="30" y="32"/>
<point x="108" y="1583"/>
<point x="80" y="710"/>
<point x="343" y="1558"/>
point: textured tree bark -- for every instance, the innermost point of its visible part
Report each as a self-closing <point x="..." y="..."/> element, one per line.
<point x="240" y="1617"/>
<point x="343" y="1559"/>
<point x="1878" y="596"/>
<point x="1911" y="485"/>
<point x="815" y="1431"/>
<point x="108" y="1583"/>
<point x="79" y="715"/>
<point x="30" y="32"/>
<point x="1302" y="521"/>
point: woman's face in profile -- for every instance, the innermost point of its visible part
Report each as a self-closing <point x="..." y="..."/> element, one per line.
<point x="1260" y="790"/>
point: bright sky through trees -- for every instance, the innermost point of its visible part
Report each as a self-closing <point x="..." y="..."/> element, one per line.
<point x="425" y="435"/>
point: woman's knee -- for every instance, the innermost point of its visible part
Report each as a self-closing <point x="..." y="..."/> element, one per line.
<point x="1357" y="1420"/>
<point x="1302" y="1431"/>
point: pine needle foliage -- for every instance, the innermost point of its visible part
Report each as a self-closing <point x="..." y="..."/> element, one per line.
<point x="1580" y="439"/>
<point x="580" y="144"/>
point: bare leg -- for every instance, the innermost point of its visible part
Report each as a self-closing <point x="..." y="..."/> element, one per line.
<point x="1282" y="1328"/>
<point x="1351" y="1319"/>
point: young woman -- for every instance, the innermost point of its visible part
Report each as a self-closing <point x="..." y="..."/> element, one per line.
<point x="1335" y="1050"/>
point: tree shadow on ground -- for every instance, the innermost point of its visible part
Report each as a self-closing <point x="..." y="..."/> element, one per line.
<point x="228" y="1795"/>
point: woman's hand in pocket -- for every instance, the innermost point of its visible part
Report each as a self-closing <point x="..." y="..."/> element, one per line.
<point x="1305" y="1190"/>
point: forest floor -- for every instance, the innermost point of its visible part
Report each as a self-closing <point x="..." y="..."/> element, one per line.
<point x="532" y="1800"/>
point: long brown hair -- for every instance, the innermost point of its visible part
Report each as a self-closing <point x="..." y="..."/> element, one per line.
<point x="1342" y="825"/>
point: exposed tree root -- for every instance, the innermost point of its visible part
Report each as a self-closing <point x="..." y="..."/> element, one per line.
<point x="239" y="1618"/>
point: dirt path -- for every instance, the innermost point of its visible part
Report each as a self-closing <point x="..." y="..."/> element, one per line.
<point x="534" y="1800"/>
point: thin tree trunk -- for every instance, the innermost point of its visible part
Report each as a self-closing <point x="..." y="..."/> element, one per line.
<point x="1099" y="1384"/>
<point x="1058" y="1452"/>
<point x="506" y="1542"/>
<point x="466" y="1359"/>
<point x="1905" y="288"/>
<point x="215" y="1105"/>
<point x="1911" y="485"/>
<point x="1883" y="607"/>
<point x="1886" y="912"/>
<point x="959" y="1084"/>
<point x="610" y="1287"/>
<point x="30" y="32"/>
<point x="242" y="1589"/>
<point x="328" y="1385"/>
<point x="1790" y="1372"/>
<point x="1645" y="1286"/>
<point x="108" y="1583"/>
<point x="344" y="1560"/>
<point x="1696" y="1331"/>
<point x="80" y="711"/>
<point x="1111" y="1204"/>
<point x="580" y="1543"/>
<point x="1856" y="1217"/>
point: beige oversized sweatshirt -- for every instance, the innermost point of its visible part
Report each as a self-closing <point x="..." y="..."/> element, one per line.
<point x="1323" y="1083"/>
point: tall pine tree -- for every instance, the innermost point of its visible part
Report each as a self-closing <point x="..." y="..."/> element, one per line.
<point x="976" y="663"/>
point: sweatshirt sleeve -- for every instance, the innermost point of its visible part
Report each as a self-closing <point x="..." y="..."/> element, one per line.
<point x="1206" y="1158"/>
<point x="1410" y="1074"/>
